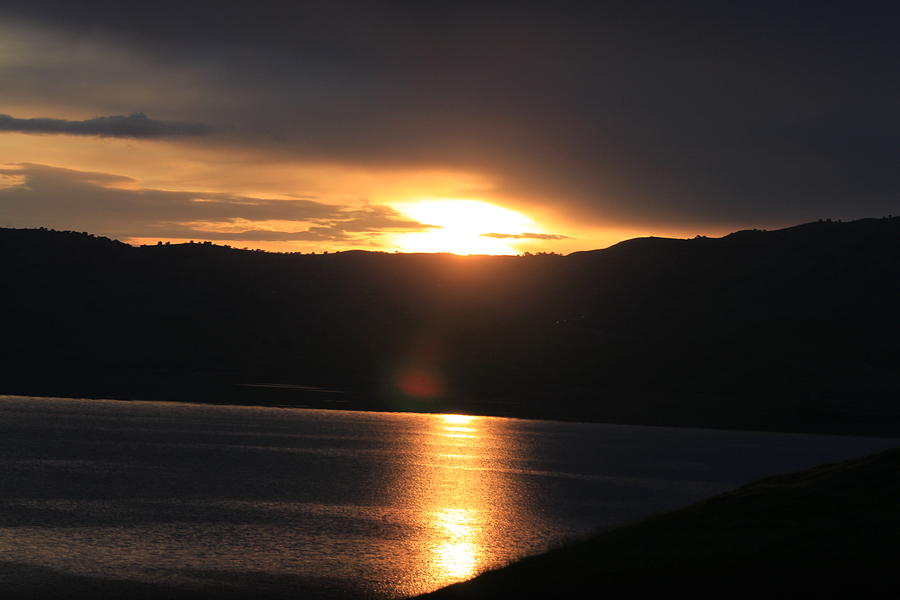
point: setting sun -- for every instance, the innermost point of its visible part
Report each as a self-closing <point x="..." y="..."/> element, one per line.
<point x="462" y="227"/>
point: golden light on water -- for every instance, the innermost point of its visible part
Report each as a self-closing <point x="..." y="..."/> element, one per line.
<point x="465" y="501"/>
<point x="459" y="226"/>
<point x="458" y="522"/>
<point x="457" y="554"/>
<point x="457" y="557"/>
<point x="454" y="431"/>
<point x="457" y="419"/>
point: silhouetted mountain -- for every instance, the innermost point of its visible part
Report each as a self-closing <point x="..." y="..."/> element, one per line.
<point x="827" y="532"/>
<point x="789" y="329"/>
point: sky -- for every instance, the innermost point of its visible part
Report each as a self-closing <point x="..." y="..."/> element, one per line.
<point x="445" y="126"/>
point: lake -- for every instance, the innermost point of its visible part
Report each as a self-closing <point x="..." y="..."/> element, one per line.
<point x="102" y="496"/>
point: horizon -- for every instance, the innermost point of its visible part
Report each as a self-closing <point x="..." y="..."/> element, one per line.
<point x="522" y="253"/>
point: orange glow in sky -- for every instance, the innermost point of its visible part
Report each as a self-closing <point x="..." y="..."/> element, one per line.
<point x="460" y="207"/>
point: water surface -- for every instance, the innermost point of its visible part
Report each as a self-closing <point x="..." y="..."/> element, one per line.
<point x="334" y="504"/>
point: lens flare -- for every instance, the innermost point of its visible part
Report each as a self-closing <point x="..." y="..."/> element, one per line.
<point x="419" y="382"/>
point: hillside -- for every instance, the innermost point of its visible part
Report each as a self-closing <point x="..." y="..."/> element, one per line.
<point x="828" y="532"/>
<point x="792" y="329"/>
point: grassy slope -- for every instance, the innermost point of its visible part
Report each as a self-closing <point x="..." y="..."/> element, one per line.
<point x="832" y="531"/>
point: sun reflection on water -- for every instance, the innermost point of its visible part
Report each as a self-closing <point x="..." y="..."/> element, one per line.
<point x="457" y="557"/>
<point x="463" y="499"/>
<point x="453" y="422"/>
<point x="457" y="560"/>
<point x="458" y="522"/>
<point x="458" y="549"/>
<point x="457" y="419"/>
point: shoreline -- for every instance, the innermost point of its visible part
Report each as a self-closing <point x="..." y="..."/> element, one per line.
<point x="350" y="406"/>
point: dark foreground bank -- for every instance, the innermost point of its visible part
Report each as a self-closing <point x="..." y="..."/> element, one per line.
<point x="827" y="532"/>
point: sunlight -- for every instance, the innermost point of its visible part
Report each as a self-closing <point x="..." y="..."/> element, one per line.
<point x="457" y="560"/>
<point x="460" y="226"/>
<point x="457" y="419"/>
<point x="457" y="556"/>
<point x="453" y="427"/>
<point x="455" y="431"/>
<point x="458" y="522"/>
<point x="464" y="501"/>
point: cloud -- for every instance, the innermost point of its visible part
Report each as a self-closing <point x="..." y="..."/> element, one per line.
<point x="41" y="195"/>
<point x="137" y="125"/>
<point x="526" y="236"/>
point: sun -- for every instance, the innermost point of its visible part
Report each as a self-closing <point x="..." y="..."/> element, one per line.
<point x="460" y="227"/>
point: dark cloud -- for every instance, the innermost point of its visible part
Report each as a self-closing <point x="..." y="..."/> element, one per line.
<point x="526" y="236"/>
<point x="137" y="125"/>
<point x="672" y="113"/>
<point x="39" y="195"/>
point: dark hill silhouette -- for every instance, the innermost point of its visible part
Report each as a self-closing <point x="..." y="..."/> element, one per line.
<point x="827" y="532"/>
<point x="790" y="329"/>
